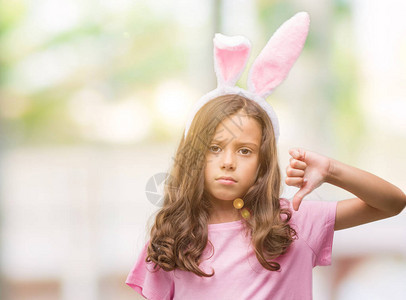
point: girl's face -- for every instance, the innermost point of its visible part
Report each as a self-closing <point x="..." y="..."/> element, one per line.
<point x="233" y="152"/>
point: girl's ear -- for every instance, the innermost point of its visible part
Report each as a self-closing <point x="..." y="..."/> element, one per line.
<point x="230" y="57"/>
<point x="274" y="62"/>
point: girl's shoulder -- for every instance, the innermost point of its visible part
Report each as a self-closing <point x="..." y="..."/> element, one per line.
<point x="149" y="282"/>
<point x="308" y="207"/>
<point x="311" y="213"/>
<point x="314" y="224"/>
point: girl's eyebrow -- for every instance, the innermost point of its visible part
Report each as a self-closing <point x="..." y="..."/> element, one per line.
<point x="240" y="143"/>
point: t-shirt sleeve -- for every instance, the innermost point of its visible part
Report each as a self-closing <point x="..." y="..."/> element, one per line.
<point x="316" y="220"/>
<point x="151" y="284"/>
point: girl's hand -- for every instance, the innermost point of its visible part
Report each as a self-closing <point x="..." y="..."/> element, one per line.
<point x="306" y="170"/>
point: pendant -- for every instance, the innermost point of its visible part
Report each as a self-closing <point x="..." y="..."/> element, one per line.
<point x="238" y="203"/>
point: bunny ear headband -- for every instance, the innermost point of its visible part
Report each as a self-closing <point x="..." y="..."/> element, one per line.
<point x="268" y="70"/>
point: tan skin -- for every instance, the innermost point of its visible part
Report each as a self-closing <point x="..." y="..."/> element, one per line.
<point x="234" y="152"/>
<point x="376" y="198"/>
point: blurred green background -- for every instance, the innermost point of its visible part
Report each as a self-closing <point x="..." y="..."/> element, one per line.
<point x="99" y="71"/>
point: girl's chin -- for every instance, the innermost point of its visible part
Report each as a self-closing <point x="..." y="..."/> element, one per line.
<point x="226" y="198"/>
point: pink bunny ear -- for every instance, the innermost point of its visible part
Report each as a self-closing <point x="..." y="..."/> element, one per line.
<point x="230" y="57"/>
<point x="274" y="62"/>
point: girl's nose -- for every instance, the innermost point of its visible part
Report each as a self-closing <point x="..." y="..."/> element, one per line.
<point x="228" y="161"/>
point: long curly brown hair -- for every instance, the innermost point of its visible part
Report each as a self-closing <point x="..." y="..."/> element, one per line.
<point x="180" y="232"/>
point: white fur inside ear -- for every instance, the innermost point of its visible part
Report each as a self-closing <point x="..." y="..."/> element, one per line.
<point x="223" y="41"/>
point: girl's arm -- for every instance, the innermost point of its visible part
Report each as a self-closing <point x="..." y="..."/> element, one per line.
<point x="377" y="198"/>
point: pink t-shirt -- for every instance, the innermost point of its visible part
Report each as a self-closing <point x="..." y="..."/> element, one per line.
<point x="238" y="273"/>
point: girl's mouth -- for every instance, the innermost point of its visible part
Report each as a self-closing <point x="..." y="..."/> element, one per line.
<point x="226" y="181"/>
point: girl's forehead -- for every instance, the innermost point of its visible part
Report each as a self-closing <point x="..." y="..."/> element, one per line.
<point x="237" y="120"/>
<point x="238" y="127"/>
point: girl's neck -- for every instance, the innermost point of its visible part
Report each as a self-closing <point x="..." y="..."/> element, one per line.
<point x="224" y="215"/>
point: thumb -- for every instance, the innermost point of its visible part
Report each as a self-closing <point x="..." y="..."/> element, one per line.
<point x="297" y="199"/>
<point x="297" y="153"/>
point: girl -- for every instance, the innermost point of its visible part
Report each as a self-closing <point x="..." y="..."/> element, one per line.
<point x="223" y="231"/>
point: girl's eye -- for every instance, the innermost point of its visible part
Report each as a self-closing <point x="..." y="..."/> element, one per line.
<point x="214" y="147"/>
<point x="217" y="149"/>
<point x="248" y="151"/>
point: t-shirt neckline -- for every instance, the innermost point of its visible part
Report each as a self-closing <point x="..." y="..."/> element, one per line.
<point x="225" y="225"/>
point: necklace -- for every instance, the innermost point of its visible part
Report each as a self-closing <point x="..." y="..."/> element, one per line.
<point x="239" y="204"/>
